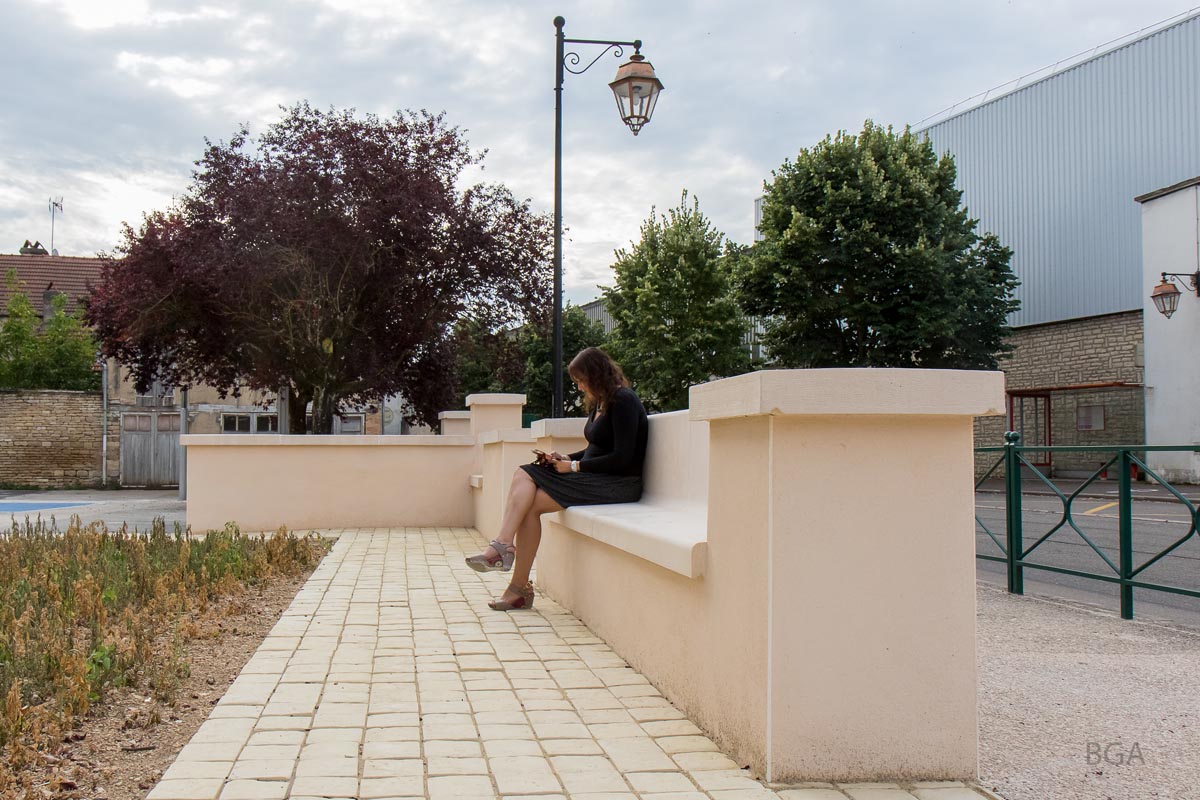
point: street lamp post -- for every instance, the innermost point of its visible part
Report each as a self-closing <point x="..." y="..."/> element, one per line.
<point x="636" y="90"/>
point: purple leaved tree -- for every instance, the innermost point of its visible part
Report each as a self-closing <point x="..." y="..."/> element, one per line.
<point x="333" y="255"/>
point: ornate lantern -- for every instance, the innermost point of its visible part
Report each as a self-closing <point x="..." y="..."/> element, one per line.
<point x="1165" y="297"/>
<point x="636" y="89"/>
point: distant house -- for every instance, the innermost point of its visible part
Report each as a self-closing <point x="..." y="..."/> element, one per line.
<point x="144" y="428"/>
<point x="42" y="276"/>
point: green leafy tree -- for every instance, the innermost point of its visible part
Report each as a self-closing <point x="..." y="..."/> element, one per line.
<point x="537" y="347"/>
<point x="486" y="359"/>
<point x="675" y="320"/>
<point x="58" y="354"/>
<point x="519" y="359"/>
<point x="869" y="259"/>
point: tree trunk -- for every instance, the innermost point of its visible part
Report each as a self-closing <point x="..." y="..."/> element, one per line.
<point x="324" y="404"/>
<point x="297" y="409"/>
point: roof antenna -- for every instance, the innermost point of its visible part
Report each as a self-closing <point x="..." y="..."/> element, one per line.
<point x="54" y="204"/>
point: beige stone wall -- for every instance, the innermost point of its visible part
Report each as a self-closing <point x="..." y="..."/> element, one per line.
<point x="1092" y="350"/>
<point x="50" y="439"/>
<point x="1105" y="349"/>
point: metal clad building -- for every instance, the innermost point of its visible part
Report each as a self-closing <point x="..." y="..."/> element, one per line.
<point x="1052" y="168"/>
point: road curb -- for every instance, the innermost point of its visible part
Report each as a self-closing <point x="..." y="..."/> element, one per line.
<point x="1091" y="496"/>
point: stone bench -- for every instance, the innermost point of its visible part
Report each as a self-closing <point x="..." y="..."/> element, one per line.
<point x="802" y="585"/>
<point x="669" y="525"/>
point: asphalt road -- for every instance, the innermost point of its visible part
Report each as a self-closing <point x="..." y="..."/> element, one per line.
<point x="1156" y="526"/>
<point x="136" y="508"/>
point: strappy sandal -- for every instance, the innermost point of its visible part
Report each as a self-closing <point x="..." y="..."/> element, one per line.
<point x="524" y="599"/>
<point x="502" y="563"/>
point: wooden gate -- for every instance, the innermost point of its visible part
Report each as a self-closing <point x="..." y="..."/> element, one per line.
<point x="150" y="448"/>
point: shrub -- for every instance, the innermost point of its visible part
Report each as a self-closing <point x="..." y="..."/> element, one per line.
<point x="87" y="609"/>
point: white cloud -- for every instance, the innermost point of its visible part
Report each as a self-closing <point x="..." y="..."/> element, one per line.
<point x="115" y="103"/>
<point x="102" y="14"/>
<point x="186" y="78"/>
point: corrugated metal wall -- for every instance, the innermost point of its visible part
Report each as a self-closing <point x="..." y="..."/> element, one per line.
<point x="1052" y="169"/>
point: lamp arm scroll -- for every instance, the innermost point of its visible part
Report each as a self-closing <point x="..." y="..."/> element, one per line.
<point x="1193" y="280"/>
<point x="573" y="59"/>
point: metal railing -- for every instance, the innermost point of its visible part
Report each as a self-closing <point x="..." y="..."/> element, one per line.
<point x="1123" y="571"/>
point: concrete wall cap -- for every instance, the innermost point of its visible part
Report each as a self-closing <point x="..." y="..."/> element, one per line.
<point x="519" y="435"/>
<point x="454" y="415"/>
<point x="563" y="426"/>
<point x="348" y="440"/>
<point x="495" y="400"/>
<point x="853" y="392"/>
<point x="50" y="391"/>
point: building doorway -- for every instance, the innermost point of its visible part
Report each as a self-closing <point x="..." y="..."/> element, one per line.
<point x="150" y="448"/>
<point x="1029" y="415"/>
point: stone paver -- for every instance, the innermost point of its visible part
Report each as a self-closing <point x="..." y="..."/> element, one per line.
<point x="389" y="677"/>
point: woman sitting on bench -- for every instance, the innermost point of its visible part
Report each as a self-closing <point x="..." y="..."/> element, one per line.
<point x="608" y="471"/>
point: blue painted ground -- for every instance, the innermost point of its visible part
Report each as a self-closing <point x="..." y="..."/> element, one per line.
<point x="14" y="507"/>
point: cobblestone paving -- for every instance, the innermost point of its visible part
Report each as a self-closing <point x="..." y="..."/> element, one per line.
<point x="389" y="677"/>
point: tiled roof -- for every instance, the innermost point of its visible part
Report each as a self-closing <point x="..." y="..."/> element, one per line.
<point x="69" y="274"/>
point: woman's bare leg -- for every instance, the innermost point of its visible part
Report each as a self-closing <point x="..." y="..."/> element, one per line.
<point x="529" y="537"/>
<point x="520" y="497"/>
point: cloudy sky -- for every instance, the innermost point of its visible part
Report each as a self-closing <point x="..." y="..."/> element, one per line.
<point x="107" y="102"/>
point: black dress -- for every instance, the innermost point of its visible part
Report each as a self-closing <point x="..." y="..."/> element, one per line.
<point x="610" y="469"/>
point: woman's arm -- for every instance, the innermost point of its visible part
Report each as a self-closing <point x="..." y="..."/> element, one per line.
<point x="624" y="415"/>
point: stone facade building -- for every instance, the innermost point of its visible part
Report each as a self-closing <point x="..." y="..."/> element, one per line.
<point x="67" y="427"/>
<point x="1070" y="383"/>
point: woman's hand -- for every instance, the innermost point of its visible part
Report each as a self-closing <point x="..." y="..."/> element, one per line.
<point x="562" y="466"/>
<point x="557" y="456"/>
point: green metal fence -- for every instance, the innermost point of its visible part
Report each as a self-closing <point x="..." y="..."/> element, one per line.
<point x="1124" y="571"/>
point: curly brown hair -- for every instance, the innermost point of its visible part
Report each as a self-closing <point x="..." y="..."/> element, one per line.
<point x="602" y="375"/>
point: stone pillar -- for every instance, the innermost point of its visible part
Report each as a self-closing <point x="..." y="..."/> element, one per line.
<point x="495" y="412"/>
<point x="856" y="486"/>
<point x="455" y="423"/>
<point x="503" y="453"/>
<point x="564" y="435"/>
<point x="495" y="420"/>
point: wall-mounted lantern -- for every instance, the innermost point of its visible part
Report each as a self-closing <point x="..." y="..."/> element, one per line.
<point x="1166" y="294"/>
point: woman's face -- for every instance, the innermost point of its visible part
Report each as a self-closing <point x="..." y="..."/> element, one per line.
<point x="580" y="383"/>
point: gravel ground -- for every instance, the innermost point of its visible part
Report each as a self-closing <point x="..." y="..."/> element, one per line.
<point x="1062" y="683"/>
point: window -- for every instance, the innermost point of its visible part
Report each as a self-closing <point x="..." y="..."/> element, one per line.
<point x="168" y="422"/>
<point x="1089" y="418"/>
<point x="160" y="394"/>
<point x="235" y="423"/>
<point x="266" y="423"/>
<point x="136" y="422"/>
<point x="347" y="423"/>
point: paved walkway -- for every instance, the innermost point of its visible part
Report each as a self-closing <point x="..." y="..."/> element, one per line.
<point x="390" y="677"/>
